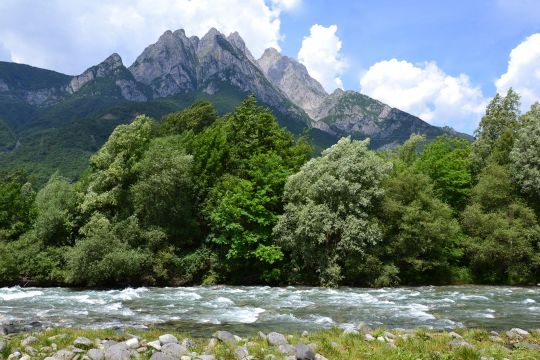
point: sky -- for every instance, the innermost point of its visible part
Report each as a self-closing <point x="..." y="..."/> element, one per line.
<point x="439" y="60"/>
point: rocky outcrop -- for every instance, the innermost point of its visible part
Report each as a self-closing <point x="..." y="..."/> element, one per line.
<point x="110" y="67"/>
<point x="293" y="79"/>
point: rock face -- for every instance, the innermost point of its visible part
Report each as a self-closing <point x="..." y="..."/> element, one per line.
<point x="293" y="79"/>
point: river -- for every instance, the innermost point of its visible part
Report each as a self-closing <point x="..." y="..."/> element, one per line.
<point x="249" y="309"/>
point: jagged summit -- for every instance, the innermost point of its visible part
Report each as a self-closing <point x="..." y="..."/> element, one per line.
<point x="293" y="79"/>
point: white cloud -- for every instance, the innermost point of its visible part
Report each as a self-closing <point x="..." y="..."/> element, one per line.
<point x="320" y="53"/>
<point x="5" y="55"/>
<point x="426" y="91"/>
<point x="69" y="35"/>
<point x="523" y="73"/>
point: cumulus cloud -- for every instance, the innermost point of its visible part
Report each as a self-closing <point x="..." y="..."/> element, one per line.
<point x="523" y="73"/>
<point x="427" y="92"/>
<point x="69" y="36"/>
<point x="320" y="53"/>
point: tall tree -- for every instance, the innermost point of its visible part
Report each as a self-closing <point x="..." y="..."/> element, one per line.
<point x="329" y="211"/>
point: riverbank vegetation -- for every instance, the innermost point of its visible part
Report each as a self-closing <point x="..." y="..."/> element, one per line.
<point x="336" y="344"/>
<point x="202" y="199"/>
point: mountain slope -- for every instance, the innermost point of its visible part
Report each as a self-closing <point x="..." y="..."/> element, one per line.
<point x="51" y="121"/>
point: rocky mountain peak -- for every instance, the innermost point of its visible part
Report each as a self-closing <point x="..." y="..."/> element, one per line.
<point x="110" y="67"/>
<point x="236" y="40"/>
<point x="293" y="79"/>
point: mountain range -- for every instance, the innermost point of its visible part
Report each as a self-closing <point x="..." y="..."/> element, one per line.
<point x="52" y="121"/>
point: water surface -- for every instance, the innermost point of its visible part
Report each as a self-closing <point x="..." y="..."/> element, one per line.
<point x="248" y="309"/>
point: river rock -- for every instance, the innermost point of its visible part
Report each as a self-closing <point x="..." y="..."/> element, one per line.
<point x="225" y="337"/>
<point x="454" y="335"/>
<point x="363" y="328"/>
<point x="95" y="354"/>
<point x="63" y="355"/>
<point x="155" y="345"/>
<point x="161" y="356"/>
<point x="276" y="339"/>
<point x="173" y="349"/>
<point x="519" y="332"/>
<point x="206" y="357"/>
<point x="188" y="343"/>
<point x="350" y="332"/>
<point x="304" y="352"/>
<point x="118" y="351"/>
<point x="3" y="345"/>
<point x="167" y="338"/>
<point x="460" y="343"/>
<point x="241" y="353"/>
<point x="305" y="333"/>
<point x="369" y="337"/>
<point x="286" y="349"/>
<point x="389" y="335"/>
<point x="24" y="357"/>
<point x="527" y="345"/>
<point x="320" y="357"/>
<point x="29" y="340"/>
<point x="83" y="343"/>
<point x="133" y="343"/>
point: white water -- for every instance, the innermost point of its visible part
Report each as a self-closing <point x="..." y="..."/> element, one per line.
<point x="281" y="309"/>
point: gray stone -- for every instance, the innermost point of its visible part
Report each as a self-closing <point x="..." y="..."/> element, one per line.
<point x="304" y="352"/>
<point x="389" y="335"/>
<point x="460" y="343"/>
<point x="133" y="343"/>
<point x="83" y="343"/>
<point x="313" y="346"/>
<point x="57" y="337"/>
<point x="173" y="349"/>
<point x="25" y="357"/>
<point x="320" y="357"/>
<point x="29" y="340"/>
<point x="454" y="335"/>
<point x="3" y="345"/>
<point x="350" y="332"/>
<point x="262" y="335"/>
<point x="369" y="337"/>
<point x="364" y="328"/>
<point x="286" y="349"/>
<point x="155" y="345"/>
<point x="161" y="356"/>
<point x="96" y="354"/>
<point x="276" y="339"/>
<point x="63" y="355"/>
<point x="206" y="357"/>
<point x="527" y="345"/>
<point x="520" y="332"/>
<point x="118" y="351"/>
<point x="167" y="338"/>
<point x="305" y="333"/>
<point x="241" y="353"/>
<point x="225" y="337"/>
<point x="188" y="343"/>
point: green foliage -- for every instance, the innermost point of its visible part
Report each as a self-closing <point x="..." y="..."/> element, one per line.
<point x="504" y="235"/>
<point x="55" y="206"/>
<point x="329" y="210"/>
<point x="420" y="231"/>
<point x="102" y="256"/>
<point x="446" y="161"/>
<point x="16" y="203"/>
<point x="197" y="117"/>
<point x="502" y="115"/>
<point x="525" y="155"/>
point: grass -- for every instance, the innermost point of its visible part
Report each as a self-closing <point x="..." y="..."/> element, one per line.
<point x="332" y="343"/>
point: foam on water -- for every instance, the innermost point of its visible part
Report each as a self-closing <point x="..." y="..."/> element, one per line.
<point x="16" y="293"/>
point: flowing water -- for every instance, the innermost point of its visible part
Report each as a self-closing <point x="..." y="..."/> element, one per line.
<point x="248" y="309"/>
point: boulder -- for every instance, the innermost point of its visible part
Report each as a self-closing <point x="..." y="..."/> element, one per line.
<point x="460" y="343"/>
<point x="167" y="338"/>
<point x="118" y="351"/>
<point x="276" y="339"/>
<point x="241" y="353"/>
<point x="155" y="345"/>
<point x="95" y="354"/>
<point x="83" y="343"/>
<point x="364" y="328"/>
<point x="206" y="357"/>
<point x="320" y="357"/>
<point x="225" y="337"/>
<point x="173" y="349"/>
<point x="369" y="337"/>
<point x="161" y="356"/>
<point x="454" y="335"/>
<point x="286" y="349"/>
<point x="63" y="355"/>
<point x="304" y="352"/>
<point x="188" y="343"/>
<point x="29" y="340"/>
<point x="133" y="343"/>
<point x="527" y="345"/>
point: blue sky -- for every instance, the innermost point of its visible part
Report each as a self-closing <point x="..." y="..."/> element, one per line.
<point x="440" y="60"/>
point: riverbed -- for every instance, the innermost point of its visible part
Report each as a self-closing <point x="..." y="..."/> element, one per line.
<point x="249" y="309"/>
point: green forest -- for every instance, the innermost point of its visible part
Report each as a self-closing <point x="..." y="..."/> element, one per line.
<point x="197" y="198"/>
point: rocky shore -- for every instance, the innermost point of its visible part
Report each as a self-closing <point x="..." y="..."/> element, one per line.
<point x="360" y="342"/>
